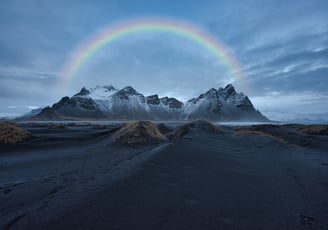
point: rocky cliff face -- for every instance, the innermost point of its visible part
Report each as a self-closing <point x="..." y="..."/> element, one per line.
<point x="222" y="104"/>
<point x="107" y="102"/>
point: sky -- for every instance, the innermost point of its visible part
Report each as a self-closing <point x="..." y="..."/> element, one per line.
<point x="281" y="47"/>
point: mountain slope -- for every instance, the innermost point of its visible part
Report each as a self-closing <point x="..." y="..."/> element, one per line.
<point x="107" y="102"/>
<point x="222" y="104"/>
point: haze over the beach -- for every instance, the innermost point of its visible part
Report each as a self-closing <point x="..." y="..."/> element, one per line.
<point x="281" y="47"/>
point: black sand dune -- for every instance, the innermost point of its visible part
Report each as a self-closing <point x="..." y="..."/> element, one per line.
<point x="207" y="177"/>
<point x="12" y="134"/>
<point x="314" y="129"/>
<point x="195" y="126"/>
<point x="310" y="136"/>
<point x="139" y="133"/>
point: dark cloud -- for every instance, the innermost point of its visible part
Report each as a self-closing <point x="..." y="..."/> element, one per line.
<point x="299" y="56"/>
<point x="7" y="93"/>
<point x="314" y="81"/>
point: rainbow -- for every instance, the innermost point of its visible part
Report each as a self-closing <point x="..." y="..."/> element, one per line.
<point x="116" y="31"/>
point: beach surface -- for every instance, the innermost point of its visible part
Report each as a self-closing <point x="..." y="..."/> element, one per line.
<point x="72" y="176"/>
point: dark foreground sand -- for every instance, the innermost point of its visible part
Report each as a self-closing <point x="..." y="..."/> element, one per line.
<point x="76" y="178"/>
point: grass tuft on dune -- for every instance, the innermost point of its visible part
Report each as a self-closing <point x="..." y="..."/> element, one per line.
<point x="163" y="128"/>
<point x="98" y="126"/>
<point x="258" y="133"/>
<point x="315" y="130"/>
<point x="198" y="125"/>
<point x="139" y="133"/>
<point x="12" y="134"/>
<point x="56" y="126"/>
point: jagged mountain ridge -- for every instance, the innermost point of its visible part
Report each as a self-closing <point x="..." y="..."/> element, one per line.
<point x="108" y="102"/>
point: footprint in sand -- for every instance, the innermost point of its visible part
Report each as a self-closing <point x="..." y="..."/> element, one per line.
<point x="53" y="192"/>
<point x="226" y="220"/>
<point x="324" y="184"/>
<point x="13" y="221"/>
<point x="190" y="201"/>
<point x="169" y="183"/>
<point x="187" y="167"/>
<point x="8" y="190"/>
<point x="165" y="174"/>
<point x="307" y="220"/>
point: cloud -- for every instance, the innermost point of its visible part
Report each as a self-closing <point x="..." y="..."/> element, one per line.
<point x="155" y="63"/>
<point x="301" y="56"/>
<point x="11" y="77"/>
<point x="281" y="46"/>
<point x="286" y="107"/>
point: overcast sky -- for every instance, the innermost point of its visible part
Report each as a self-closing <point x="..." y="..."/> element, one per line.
<point x="282" y="47"/>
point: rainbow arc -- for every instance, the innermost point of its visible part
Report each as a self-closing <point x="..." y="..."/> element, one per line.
<point x="128" y="28"/>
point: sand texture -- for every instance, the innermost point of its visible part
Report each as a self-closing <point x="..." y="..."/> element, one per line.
<point x="145" y="176"/>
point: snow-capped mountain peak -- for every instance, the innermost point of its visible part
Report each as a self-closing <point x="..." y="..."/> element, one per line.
<point x="109" y="87"/>
<point x="129" y="90"/>
<point x="127" y="103"/>
<point x="97" y="93"/>
<point x="227" y="91"/>
<point x="153" y="100"/>
<point x="83" y="92"/>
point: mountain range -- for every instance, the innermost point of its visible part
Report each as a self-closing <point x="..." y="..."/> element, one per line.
<point x="108" y="102"/>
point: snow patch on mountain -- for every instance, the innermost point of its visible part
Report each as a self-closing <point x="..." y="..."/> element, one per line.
<point x="127" y="103"/>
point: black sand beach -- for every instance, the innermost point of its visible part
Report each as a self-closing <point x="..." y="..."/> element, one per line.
<point x="252" y="177"/>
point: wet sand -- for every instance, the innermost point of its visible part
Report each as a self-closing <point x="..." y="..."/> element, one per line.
<point x="76" y="178"/>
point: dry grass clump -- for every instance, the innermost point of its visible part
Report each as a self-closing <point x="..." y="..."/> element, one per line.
<point x="315" y="130"/>
<point x="12" y="134"/>
<point x="56" y="126"/>
<point x="180" y="132"/>
<point x="163" y="128"/>
<point x="73" y="124"/>
<point x="98" y="126"/>
<point x="198" y="125"/>
<point x="246" y="132"/>
<point x="139" y="133"/>
<point x="34" y="125"/>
